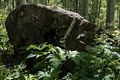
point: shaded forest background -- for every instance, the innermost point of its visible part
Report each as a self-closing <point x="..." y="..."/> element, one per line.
<point x="99" y="61"/>
<point x="101" y="12"/>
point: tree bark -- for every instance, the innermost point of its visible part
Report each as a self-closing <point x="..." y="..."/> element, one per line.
<point x="119" y="19"/>
<point x="85" y="9"/>
<point x="76" y="5"/>
<point x="110" y="13"/>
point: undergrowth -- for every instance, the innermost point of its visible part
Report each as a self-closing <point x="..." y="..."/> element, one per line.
<point x="100" y="61"/>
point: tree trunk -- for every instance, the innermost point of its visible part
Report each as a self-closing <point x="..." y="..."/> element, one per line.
<point x="85" y="9"/>
<point x="119" y="19"/>
<point x="99" y="12"/>
<point x="110" y="13"/>
<point x="76" y="5"/>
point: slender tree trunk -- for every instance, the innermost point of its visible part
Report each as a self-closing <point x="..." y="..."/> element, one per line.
<point x="93" y="11"/>
<point x="65" y="6"/>
<point x="119" y="19"/>
<point x="85" y="9"/>
<point x="99" y="11"/>
<point x="99" y="8"/>
<point x="80" y="7"/>
<point x="110" y="13"/>
<point x="76" y="5"/>
<point x="68" y="7"/>
<point x="96" y="9"/>
<point x="48" y="1"/>
<point x="20" y="3"/>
